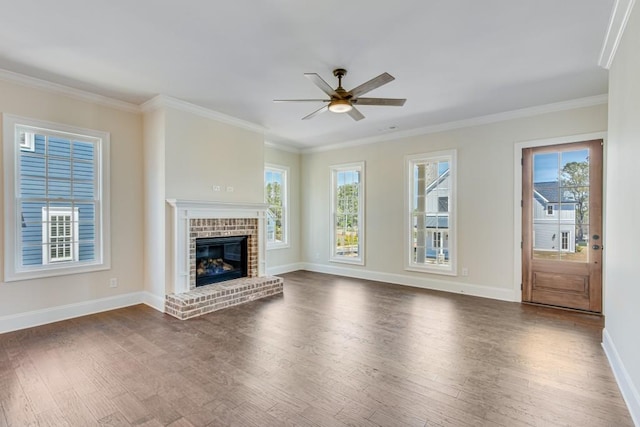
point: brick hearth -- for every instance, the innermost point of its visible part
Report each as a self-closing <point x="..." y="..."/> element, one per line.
<point x="206" y="299"/>
<point x="209" y="298"/>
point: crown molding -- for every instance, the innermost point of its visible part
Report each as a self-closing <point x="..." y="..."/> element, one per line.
<point x="617" y="23"/>
<point x="164" y="101"/>
<point x="282" y="147"/>
<point x="476" y="121"/>
<point x="32" y="82"/>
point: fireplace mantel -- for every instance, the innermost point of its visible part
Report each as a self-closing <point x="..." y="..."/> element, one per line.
<point x="196" y="208"/>
<point x="183" y="211"/>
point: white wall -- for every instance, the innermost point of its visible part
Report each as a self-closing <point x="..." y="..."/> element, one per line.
<point x="287" y="259"/>
<point x="202" y="152"/>
<point x="622" y="245"/>
<point x="485" y="201"/>
<point x="155" y="270"/>
<point x="185" y="155"/>
<point x="22" y="297"/>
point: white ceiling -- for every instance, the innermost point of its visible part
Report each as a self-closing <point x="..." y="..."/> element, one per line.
<point x="452" y="60"/>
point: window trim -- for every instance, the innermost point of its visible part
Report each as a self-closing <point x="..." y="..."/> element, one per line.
<point x="334" y="169"/>
<point x="410" y="161"/>
<point x="13" y="270"/>
<point x="285" y="205"/>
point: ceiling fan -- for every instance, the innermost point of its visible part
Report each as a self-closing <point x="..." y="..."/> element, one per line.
<point x="344" y="101"/>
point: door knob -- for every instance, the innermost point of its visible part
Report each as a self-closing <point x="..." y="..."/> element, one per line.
<point x="596" y="247"/>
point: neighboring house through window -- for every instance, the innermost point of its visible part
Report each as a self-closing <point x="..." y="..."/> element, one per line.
<point x="276" y="197"/>
<point x="347" y="213"/>
<point x="430" y="204"/>
<point x="554" y="217"/>
<point x="58" y="194"/>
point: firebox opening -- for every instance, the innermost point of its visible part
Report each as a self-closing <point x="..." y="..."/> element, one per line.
<point x="220" y="258"/>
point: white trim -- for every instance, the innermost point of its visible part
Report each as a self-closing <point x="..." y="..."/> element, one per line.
<point x="409" y="161"/>
<point x="334" y="169"/>
<point x="154" y="301"/>
<point x="628" y="389"/>
<point x="164" y="101"/>
<point x="281" y="147"/>
<point x="81" y="95"/>
<point x="589" y="101"/>
<point x="416" y="282"/>
<point x="517" y="194"/>
<point x="287" y="268"/>
<point x="617" y="23"/>
<point x="30" y="319"/>
<point x="184" y="210"/>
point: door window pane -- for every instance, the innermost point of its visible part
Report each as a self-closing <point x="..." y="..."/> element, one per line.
<point x="561" y="205"/>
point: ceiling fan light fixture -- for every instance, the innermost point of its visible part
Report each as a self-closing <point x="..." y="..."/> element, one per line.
<point x="340" y="106"/>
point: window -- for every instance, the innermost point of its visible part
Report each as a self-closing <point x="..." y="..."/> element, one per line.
<point x="275" y="190"/>
<point x="443" y="204"/>
<point x="347" y="213"/>
<point x="57" y="199"/>
<point x="564" y="240"/>
<point x="430" y="217"/>
<point x="437" y="239"/>
<point x="59" y="230"/>
<point x="549" y="209"/>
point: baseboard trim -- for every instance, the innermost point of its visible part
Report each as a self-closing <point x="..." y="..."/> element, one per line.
<point x="63" y="312"/>
<point x="417" y="282"/>
<point x="153" y="301"/>
<point x="287" y="268"/>
<point x="625" y="383"/>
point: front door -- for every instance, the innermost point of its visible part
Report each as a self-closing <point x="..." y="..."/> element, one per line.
<point x="562" y="225"/>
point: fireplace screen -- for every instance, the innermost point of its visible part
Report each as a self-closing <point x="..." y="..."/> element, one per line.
<point x="220" y="258"/>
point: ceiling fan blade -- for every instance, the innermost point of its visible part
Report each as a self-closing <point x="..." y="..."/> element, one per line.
<point x="318" y="81"/>
<point x="315" y="113"/>
<point x="355" y="114"/>
<point x="372" y="84"/>
<point x="301" y="100"/>
<point x="387" y="102"/>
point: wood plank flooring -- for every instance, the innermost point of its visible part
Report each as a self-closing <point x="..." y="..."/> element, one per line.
<point x="331" y="351"/>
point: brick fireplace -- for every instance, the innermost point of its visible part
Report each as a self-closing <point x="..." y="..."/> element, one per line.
<point x="224" y="227"/>
<point x="193" y="220"/>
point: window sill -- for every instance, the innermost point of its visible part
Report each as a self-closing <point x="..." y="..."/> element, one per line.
<point x="347" y="260"/>
<point x="272" y="246"/>
<point x="43" y="273"/>
<point x="444" y="271"/>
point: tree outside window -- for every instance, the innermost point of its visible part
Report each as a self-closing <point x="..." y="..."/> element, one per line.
<point x="275" y="190"/>
<point x="347" y="213"/>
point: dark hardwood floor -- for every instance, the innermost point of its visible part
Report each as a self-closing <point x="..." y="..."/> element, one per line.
<point x="331" y="351"/>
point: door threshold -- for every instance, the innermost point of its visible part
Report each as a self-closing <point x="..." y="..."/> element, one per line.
<point x="558" y="307"/>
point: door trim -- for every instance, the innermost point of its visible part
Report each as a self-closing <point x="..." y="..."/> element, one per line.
<point x="517" y="197"/>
